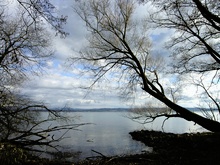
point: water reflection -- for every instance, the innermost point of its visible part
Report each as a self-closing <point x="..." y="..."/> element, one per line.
<point x="109" y="133"/>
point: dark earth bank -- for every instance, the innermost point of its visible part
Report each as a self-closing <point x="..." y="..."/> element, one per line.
<point x="188" y="148"/>
<point x="169" y="148"/>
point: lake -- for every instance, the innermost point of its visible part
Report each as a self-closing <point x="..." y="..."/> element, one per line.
<point x="109" y="133"/>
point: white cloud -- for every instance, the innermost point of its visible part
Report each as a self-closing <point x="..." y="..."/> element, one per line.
<point x="61" y="86"/>
<point x="57" y="90"/>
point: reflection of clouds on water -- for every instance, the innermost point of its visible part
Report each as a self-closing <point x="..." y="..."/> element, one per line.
<point x="174" y="125"/>
<point x="109" y="133"/>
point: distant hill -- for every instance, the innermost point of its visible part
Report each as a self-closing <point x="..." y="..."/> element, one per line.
<point x="93" y="110"/>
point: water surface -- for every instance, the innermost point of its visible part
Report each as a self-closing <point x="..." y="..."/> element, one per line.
<point x="109" y="133"/>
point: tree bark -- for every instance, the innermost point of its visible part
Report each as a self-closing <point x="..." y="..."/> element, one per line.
<point x="206" y="123"/>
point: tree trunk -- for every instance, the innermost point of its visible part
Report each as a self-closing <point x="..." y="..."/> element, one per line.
<point x="206" y="123"/>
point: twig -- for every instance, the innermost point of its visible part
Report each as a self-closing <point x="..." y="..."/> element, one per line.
<point x="99" y="153"/>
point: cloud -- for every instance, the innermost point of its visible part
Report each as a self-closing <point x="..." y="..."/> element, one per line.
<point x="58" y="90"/>
<point x="62" y="85"/>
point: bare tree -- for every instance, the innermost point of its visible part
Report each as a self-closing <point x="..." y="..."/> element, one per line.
<point x="117" y="43"/>
<point x="23" y="126"/>
<point x="39" y="10"/>
<point x="195" y="45"/>
<point x="24" y="49"/>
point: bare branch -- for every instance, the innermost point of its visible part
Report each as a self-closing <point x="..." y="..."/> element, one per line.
<point x="119" y="43"/>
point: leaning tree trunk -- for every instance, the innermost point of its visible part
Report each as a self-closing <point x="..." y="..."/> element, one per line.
<point x="206" y="123"/>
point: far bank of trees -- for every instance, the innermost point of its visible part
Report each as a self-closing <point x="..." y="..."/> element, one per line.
<point x="119" y="43"/>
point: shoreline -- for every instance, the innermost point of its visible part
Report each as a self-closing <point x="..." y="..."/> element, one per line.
<point x="169" y="148"/>
<point x="186" y="148"/>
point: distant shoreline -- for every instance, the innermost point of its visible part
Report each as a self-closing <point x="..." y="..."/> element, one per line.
<point x="105" y="110"/>
<point x="90" y="110"/>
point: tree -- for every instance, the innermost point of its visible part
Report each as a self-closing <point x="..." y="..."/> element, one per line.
<point x="118" y="43"/>
<point x="39" y="10"/>
<point x="24" y="49"/>
<point x="23" y="126"/>
<point x="197" y="27"/>
<point x="24" y="46"/>
<point x="195" y="44"/>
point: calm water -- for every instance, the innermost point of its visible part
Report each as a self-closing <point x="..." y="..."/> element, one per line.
<point x="109" y="133"/>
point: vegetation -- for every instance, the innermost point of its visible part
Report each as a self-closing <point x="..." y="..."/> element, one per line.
<point x="24" y="49"/>
<point x="119" y="47"/>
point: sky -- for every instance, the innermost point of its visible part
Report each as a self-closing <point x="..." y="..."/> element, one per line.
<point x="61" y="85"/>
